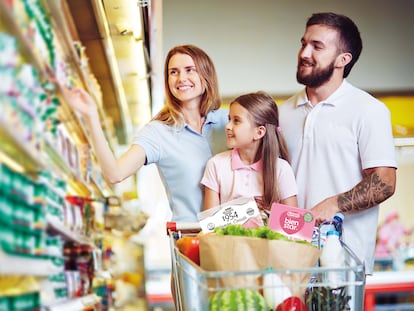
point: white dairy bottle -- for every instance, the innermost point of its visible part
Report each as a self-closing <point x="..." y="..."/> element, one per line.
<point x="335" y="223"/>
<point x="333" y="256"/>
<point x="274" y="290"/>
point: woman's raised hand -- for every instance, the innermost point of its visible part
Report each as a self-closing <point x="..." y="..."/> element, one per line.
<point x="80" y="100"/>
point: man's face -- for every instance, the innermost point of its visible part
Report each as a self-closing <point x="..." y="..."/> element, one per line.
<point x="317" y="56"/>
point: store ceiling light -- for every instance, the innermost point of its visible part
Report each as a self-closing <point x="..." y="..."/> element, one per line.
<point x="124" y="17"/>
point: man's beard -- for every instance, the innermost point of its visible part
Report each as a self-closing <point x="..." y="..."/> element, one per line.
<point x="317" y="78"/>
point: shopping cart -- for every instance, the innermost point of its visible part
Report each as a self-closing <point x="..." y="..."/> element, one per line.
<point x="194" y="286"/>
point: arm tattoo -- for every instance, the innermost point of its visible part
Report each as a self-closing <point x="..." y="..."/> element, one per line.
<point x="369" y="192"/>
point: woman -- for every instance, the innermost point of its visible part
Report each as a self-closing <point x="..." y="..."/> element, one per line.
<point x="180" y="138"/>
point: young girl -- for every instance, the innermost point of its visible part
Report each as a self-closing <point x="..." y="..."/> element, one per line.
<point x="181" y="137"/>
<point x="257" y="166"/>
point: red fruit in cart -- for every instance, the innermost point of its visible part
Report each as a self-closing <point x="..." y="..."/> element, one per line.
<point x="292" y="303"/>
<point x="190" y="247"/>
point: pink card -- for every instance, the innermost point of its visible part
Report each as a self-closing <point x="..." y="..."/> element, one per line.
<point x="294" y="222"/>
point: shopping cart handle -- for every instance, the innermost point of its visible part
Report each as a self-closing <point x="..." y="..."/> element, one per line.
<point x="188" y="227"/>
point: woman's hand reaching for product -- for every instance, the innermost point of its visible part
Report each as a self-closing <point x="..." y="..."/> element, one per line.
<point x="80" y="100"/>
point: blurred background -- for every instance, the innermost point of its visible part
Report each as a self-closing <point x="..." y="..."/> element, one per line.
<point x="115" y="49"/>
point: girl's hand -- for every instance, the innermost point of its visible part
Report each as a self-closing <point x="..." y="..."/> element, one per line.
<point x="80" y="100"/>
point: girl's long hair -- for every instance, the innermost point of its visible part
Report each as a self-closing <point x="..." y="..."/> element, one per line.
<point x="171" y="113"/>
<point x="264" y="112"/>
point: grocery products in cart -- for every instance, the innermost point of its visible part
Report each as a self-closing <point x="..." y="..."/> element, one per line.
<point x="295" y="281"/>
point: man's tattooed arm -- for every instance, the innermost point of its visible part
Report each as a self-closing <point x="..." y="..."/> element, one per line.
<point x="377" y="186"/>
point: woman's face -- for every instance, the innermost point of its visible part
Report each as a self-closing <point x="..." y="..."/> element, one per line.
<point x="183" y="79"/>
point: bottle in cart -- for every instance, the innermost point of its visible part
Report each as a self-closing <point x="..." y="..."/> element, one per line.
<point x="274" y="290"/>
<point x="333" y="256"/>
<point x="334" y="224"/>
<point x="338" y="222"/>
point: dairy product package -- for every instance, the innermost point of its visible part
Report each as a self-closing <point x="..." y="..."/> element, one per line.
<point x="297" y="223"/>
<point x="243" y="211"/>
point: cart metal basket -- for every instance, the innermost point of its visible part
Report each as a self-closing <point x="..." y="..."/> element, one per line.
<point x="195" y="286"/>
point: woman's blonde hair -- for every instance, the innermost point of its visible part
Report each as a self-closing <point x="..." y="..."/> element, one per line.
<point x="171" y="113"/>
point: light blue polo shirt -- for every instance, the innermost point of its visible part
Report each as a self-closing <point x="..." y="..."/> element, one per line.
<point x="181" y="155"/>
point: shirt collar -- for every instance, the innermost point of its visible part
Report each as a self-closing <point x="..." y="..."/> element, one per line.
<point x="236" y="162"/>
<point x="331" y="100"/>
<point x="212" y="117"/>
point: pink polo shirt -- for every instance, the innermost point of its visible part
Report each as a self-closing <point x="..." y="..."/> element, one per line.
<point x="226" y="174"/>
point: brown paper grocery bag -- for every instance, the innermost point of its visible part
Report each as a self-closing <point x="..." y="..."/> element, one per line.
<point x="238" y="253"/>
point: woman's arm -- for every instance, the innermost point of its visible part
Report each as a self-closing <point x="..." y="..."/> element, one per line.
<point x="115" y="170"/>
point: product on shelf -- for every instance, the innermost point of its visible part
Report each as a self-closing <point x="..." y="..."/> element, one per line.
<point x="49" y="178"/>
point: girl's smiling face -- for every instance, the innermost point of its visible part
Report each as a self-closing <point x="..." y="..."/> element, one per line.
<point x="241" y="132"/>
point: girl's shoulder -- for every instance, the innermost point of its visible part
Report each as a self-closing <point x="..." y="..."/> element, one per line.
<point x="220" y="161"/>
<point x="222" y="155"/>
<point x="282" y="162"/>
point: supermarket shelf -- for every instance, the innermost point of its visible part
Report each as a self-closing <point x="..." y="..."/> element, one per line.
<point x="389" y="277"/>
<point x="29" y="53"/>
<point x="404" y="141"/>
<point x="388" y="282"/>
<point x="91" y="26"/>
<point x="58" y="227"/>
<point x="81" y="187"/>
<point x="73" y="181"/>
<point x="157" y="287"/>
<point x="24" y="265"/>
<point x="101" y="189"/>
<point x="74" y="304"/>
<point x="18" y="150"/>
<point x="65" y="28"/>
<point x="21" y="152"/>
<point x="27" y="50"/>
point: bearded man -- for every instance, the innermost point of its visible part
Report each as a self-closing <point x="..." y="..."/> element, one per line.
<point x="339" y="137"/>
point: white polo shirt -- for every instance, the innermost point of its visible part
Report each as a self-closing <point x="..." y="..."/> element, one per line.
<point x="181" y="155"/>
<point x="330" y="145"/>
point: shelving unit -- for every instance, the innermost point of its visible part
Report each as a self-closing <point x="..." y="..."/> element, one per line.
<point x="68" y="117"/>
<point x="389" y="282"/>
<point x="20" y="265"/>
<point x="58" y="227"/>
<point x="14" y="146"/>
<point x="27" y="158"/>
<point x="404" y="142"/>
<point x="74" y="304"/>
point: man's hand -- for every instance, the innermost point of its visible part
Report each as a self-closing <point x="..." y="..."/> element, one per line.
<point x="325" y="210"/>
<point x="377" y="186"/>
